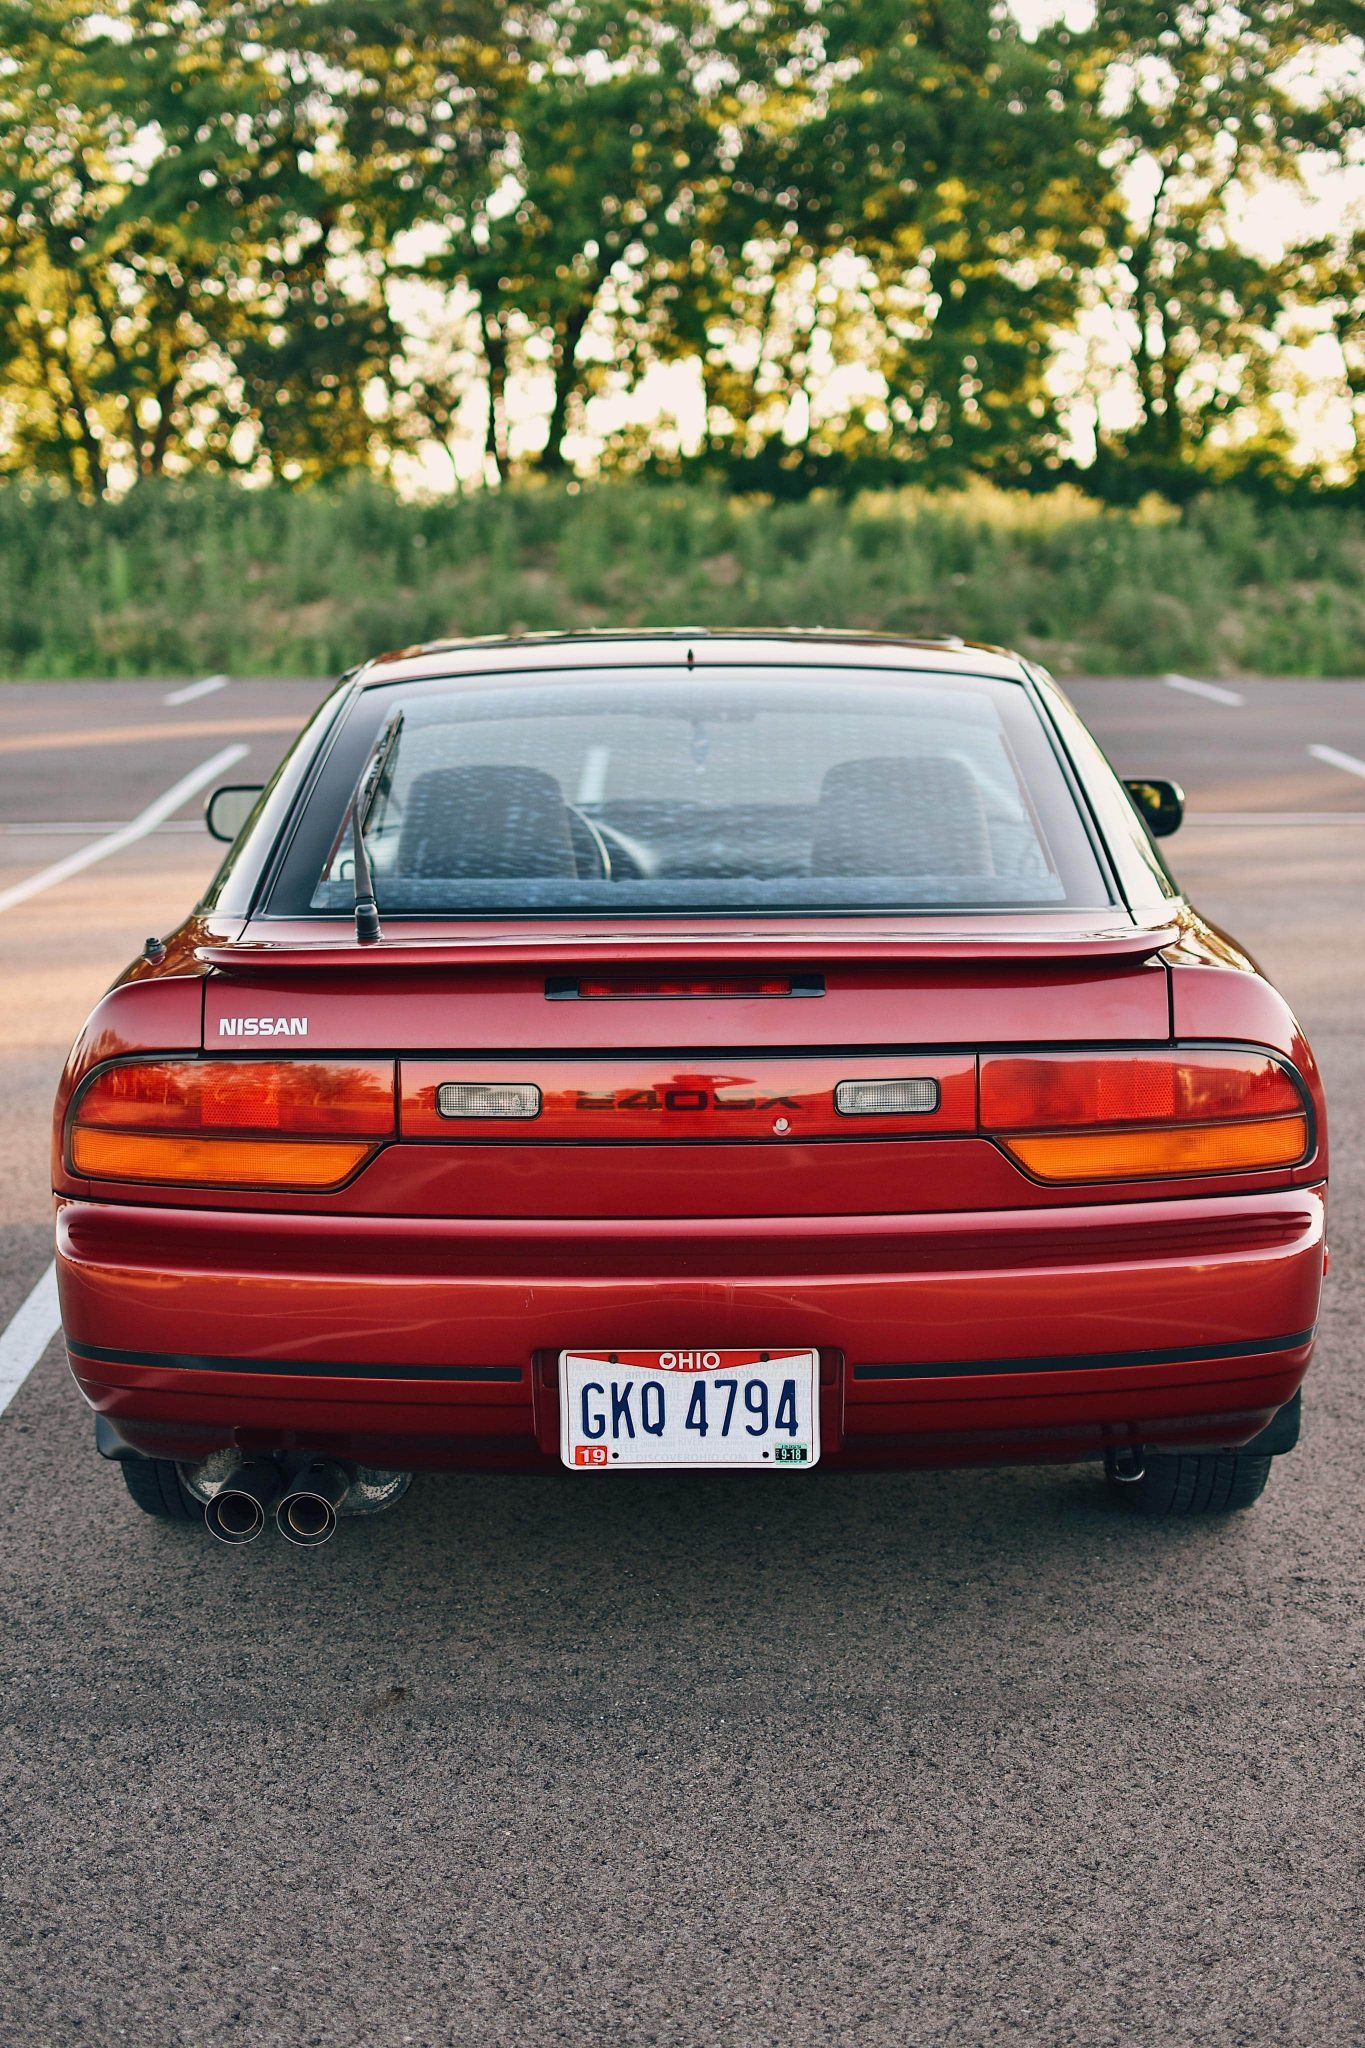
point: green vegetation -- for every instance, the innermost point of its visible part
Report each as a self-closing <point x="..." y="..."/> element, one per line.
<point x="857" y="243"/>
<point x="180" y="579"/>
<point x="856" y="313"/>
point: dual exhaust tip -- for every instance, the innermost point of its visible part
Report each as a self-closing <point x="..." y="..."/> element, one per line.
<point x="305" y="1507"/>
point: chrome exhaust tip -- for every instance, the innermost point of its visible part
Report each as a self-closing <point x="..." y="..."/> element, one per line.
<point x="1126" y="1466"/>
<point x="306" y="1513"/>
<point x="237" y="1511"/>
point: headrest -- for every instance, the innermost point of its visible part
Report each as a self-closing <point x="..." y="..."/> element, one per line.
<point x="472" y="824"/>
<point x="902" y="814"/>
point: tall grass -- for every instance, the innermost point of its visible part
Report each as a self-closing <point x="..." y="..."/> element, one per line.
<point x="182" y="578"/>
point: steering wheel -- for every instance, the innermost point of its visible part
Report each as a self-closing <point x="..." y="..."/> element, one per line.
<point x="590" y="849"/>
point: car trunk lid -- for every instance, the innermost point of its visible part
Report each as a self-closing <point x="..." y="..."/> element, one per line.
<point x="948" y="983"/>
<point x="689" y="1074"/>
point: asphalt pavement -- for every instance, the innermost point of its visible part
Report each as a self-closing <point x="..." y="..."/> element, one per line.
<point x="962" y="1758"/>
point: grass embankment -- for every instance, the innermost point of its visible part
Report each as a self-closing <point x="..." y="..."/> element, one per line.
<point x="183" y="579"/>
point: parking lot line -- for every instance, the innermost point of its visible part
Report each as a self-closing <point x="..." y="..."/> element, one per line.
<point x="80" y="828"/>
<point x="30" y="1330"/>
<point x="127" y="835"/>
<point x="1192" y="686"/>
<point x="62" y="739"/>
<point x="1334" y="758"/>
<point x="190" y="691"/>
<point x="1259" y="818"/>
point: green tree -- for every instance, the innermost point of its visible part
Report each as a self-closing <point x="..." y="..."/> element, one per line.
<point x="1202" y="105"/>
<point x="189" y="270"/>
<point x="104" y="317"/>
<point x="869" y="224"/>
<point x="914" y="199"/>
<point x="961" y="166"/>
<point x="419" y="135"/>
<point x="1333" y="286"/>
<point x="602" y="184"/>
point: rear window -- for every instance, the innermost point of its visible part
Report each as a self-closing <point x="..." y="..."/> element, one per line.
<point x="707" y="790"/>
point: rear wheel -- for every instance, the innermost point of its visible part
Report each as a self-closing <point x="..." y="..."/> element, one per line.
<point x="1199" y="1482"/>
<point x="155" y="1484"/>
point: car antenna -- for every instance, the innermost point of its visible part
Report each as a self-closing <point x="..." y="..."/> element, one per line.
<point x="368" y="929"/>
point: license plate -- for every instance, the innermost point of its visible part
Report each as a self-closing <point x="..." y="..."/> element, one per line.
<point x="718" y="1409"/>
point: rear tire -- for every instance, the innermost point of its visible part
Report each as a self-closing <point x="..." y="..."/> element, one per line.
<point x="1199" y="1482"/>
<point x="155" y="1484"/>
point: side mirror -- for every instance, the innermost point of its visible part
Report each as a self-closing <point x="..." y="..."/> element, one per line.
<point x="1160" y="805"/>
<point x="228" y="809"/>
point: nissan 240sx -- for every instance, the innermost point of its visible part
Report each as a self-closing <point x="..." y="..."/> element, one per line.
<point x="688" y="1050"/>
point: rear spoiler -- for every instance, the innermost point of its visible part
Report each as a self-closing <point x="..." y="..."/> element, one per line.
<point x="395" y="954"/>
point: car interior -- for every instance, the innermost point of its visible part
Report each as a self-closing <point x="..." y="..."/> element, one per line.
<point x="909" y="815"/>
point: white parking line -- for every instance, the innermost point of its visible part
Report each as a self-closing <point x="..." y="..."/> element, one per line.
<point x="1259" y="818"/>
<point x="190" y="691"/>
<point x="31" y="1329"/>
<point x="1334" y="758"/>
<point x="1194" y="688"/>
<point x="114" y="842"/>
<point x="79" y="828"/>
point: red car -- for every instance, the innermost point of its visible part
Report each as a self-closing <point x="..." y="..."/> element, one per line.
<point x="688" y="1049"/>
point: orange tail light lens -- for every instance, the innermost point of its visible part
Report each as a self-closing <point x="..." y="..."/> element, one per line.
<point x="297" y="1124"/>
<point x="1139" y="1155"/>
<point x="1139" y="1115"/>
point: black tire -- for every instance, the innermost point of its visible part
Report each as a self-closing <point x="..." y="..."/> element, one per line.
<point x="1199" y="1482"/>
<point x="155" y="1484"/>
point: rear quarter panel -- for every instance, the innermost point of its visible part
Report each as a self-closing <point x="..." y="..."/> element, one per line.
<point x="1218" y="992"/>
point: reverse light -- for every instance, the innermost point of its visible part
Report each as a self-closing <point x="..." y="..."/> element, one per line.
<point x="886" y="1098"/>
<point x="491" y="1099"/>
<point x="1139" y="1115"/>
<point x="298" y="1125"/>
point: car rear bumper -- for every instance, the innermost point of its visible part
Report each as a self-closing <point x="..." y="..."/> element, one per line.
<point x="944" y="1339"/>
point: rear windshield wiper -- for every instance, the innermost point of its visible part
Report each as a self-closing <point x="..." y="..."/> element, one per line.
<point x="367" y="927"/>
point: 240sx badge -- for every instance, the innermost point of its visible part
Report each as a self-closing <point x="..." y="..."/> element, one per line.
<point x="788" y="1096"/>
<point x="687" y="1100"/>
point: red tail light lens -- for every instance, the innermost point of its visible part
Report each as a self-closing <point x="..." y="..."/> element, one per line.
<point x="1070" y="1091"/>
<point x="232" y="1123"/>
<point x="1133" y="1115"/>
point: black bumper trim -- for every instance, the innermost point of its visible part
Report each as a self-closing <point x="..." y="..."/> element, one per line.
<point x="294" y="1368"/>
<point x="1086" y="1361"/>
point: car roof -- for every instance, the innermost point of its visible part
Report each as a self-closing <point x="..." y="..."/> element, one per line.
<point x="687" y="646"/>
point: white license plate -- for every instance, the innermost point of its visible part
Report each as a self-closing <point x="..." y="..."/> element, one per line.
<point x="682" y="1408"/>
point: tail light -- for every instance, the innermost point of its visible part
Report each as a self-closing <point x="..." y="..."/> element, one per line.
<point x="1136" y="1115"/>
<point x="296" y="1125"/>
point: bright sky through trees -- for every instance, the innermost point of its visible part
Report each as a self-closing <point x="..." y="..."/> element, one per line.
<point x="773" y="243"/>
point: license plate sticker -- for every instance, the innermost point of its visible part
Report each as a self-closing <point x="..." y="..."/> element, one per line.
<point x="716" y="1410"/>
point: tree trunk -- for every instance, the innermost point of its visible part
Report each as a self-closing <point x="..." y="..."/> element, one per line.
<point x="495" y="356"/>
<point x="160" y="439"/>
<point x="60" y="405"/>
<point x="88" y="438"/>
<point x="566" y="383"/>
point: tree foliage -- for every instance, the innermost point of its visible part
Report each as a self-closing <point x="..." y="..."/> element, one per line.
<point x="299" y="238"/>
<point x="1201" y="106"/>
